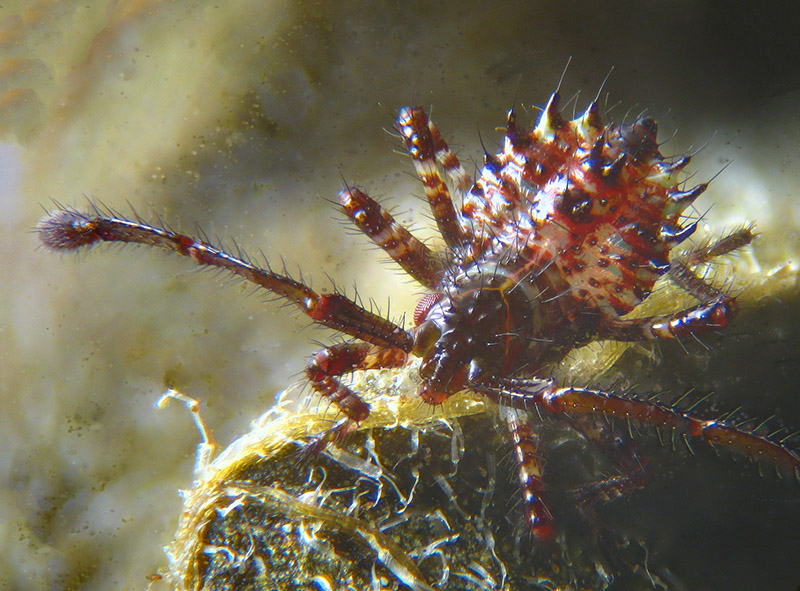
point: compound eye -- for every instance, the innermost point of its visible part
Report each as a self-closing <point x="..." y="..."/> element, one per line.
<point x="424" y="306"/>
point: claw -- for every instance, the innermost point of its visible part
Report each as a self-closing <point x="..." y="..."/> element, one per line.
<point x="333" y="436"/>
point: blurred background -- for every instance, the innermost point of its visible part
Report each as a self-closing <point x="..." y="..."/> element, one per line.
<point x="246" y="118"/>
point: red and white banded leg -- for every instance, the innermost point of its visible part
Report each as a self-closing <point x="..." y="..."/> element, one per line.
<point x="415" y="128"/>
<point x="328" y="365"/>
<point x="411" y="254"/>
<point x="530" y="465"/>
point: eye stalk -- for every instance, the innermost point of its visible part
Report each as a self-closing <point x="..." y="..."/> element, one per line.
<point x="425" y="337"/>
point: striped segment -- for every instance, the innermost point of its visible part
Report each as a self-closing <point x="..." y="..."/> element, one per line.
<point x="411" y="254"/>
<point x="530" y="464"/>
<point x="448" y="161"/>
<point x="328" y="364"/>
<point x="413" y="124"/>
